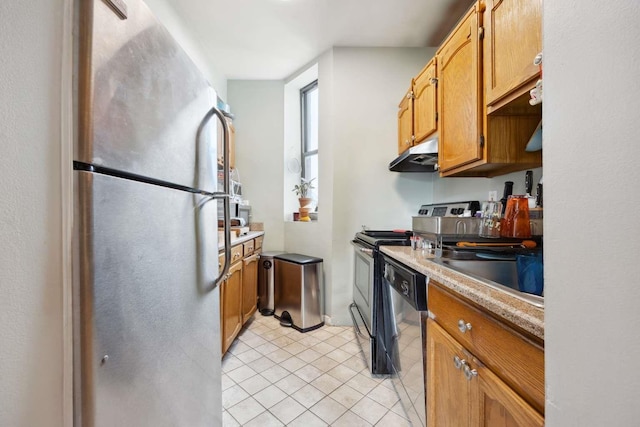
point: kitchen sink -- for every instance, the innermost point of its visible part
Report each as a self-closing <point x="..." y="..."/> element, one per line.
<point x="498" y="274"/>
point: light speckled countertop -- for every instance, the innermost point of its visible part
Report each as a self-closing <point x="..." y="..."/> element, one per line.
<point x="516" y="311"/>
<point x="241" y="239"/>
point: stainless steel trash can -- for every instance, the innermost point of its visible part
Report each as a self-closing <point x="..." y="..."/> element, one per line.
<point x="299" y="291"/>
<point x="266" y="280"/>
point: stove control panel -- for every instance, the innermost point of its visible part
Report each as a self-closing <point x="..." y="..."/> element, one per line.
<point x="449" y="209"/>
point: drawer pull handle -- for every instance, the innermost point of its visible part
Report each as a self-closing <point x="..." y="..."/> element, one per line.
<point x="464" y="326"/>
<point x="459" y="363"/>
<point x="405" y="288"/>
<point x="469" y="373"/>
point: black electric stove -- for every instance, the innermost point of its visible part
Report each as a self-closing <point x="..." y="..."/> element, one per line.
<point x="367" y="308"/>
<point x="376" y="238"/>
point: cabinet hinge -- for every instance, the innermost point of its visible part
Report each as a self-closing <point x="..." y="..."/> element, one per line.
<point x="436" y="116"/>
<point x="481" y="33"/>
<point x="481" y="141"/>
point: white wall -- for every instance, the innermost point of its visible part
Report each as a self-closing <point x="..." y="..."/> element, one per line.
<point x="368" y="85"/>
<point x="591" y="161"/>
<point x="258" y="107"/>
<point x="462" y="189"/>
<point x="31" y="335"/>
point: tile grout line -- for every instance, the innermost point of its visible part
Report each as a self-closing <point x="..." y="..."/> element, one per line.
<point x="330" y="339"/>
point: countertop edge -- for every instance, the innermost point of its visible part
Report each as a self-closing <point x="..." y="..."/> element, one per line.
<point x="526" y="316"/>
<point x="241" y="239"/>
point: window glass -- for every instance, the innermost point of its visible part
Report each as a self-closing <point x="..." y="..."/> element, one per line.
<point x="309" y="146"/>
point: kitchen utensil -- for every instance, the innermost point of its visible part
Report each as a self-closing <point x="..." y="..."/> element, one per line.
<point x="508" y="190"/>
<point x="516" y="218"/>
<point x="524" y="244"/>
<point x="539" y="195"/>
<point x="528" y="186"/>
<point x="490" y="219"/>
<point x="528" y="182"/>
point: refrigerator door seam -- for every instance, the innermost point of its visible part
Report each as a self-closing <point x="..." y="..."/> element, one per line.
<point x="81" y="166"/>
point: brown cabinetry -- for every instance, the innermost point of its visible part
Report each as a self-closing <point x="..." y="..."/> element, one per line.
<point x="480" y="371"/>
<point x="424" y="102"/>
<point x="513" y="38"/>
<point x="460" y="95"/>
<point x="473" y="142"/>
<point x="405" y="122"/>
<point x="417" y="114"/>
<point x="239" y="291"/>
<point x="231" y="305"/>
<point x="478" y="100"/>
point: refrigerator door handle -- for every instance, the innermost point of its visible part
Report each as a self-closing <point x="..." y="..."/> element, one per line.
<point x="225" y="193"/>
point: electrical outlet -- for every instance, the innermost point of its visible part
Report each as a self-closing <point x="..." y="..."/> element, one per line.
<point x="493" y="195"/>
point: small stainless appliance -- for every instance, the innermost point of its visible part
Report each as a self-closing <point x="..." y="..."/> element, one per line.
<point x="367" y="308"/>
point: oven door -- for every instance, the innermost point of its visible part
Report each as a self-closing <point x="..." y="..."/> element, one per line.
<point x="363" y="284"/>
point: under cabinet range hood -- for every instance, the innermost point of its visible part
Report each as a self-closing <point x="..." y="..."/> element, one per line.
<point x="419" y="158"/>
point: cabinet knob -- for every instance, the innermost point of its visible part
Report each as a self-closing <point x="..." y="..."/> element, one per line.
<point x="459" y="363"/>
<point x="464" y="326"/>
<point x="469" y="373"/>
<point x="434" y="81"/>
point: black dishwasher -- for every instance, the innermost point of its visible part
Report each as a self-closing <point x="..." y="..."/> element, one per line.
<point x="405" y="297"/>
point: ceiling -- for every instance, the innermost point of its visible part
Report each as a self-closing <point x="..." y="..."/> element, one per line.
<point x="271" y="39"/>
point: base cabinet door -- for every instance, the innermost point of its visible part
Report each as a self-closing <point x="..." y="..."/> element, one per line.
<point x="461" y="391"/>
<point x="249" y="286"/>
<point x="448" y="391"/>
<point x="231" y="302"/>
<point x="499" y="405"/>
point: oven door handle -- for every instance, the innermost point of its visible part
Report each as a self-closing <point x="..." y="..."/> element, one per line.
<point x="355" y="323"/>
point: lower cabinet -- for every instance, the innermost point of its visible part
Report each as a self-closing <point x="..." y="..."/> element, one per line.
<point x="249" y="286"/>
<point x="463" y="392"/>
<point x="231" y="305"/>
<point x="479" y="371"/>
<point x="239" y="290"/>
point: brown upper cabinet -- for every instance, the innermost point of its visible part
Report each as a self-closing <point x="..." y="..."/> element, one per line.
<point x="484" y="71"/>
<point x="424" y="103"/>
<point x="405" y="122"/>
<point x="460" y="95"/>
<point x="513" y="31"/>
<point x="417" y="114"/>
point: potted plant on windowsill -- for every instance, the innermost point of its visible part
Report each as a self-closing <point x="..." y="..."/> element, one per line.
<point x="301" y="191"/>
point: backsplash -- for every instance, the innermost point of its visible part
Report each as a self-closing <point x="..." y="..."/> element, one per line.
<point x="462" y="189"/>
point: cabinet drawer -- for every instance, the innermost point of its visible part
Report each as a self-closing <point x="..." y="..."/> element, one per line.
<point x="258" y="242"/>
<point x="236" y="255"/>
<point x="248" y="247"/>
<point x="518" y="361"/>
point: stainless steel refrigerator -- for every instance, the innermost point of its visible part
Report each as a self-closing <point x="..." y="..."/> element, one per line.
<point x="146" y="302"/>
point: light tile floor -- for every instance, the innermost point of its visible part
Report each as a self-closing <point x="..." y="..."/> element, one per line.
<point x="277" y="376"/>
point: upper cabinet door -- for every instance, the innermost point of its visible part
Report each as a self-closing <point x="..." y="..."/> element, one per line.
<point x="405" y="123"/>
<point x="513" y="38"/>
<point x="424" y="102"/>
<point x="460" y="95"/>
